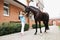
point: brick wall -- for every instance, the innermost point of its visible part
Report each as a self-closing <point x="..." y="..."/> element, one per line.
<point x="57" y="22"/>
<point x="1" y="10"/>
<point x="13" y="13"/>
<point x="51" y="22"/>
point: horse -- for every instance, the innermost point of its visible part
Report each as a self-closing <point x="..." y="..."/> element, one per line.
<point x="38" y="17"/>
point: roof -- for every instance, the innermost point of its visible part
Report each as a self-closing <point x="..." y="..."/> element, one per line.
<point x="16" y="3"/>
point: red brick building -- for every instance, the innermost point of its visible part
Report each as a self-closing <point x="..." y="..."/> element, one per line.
<point x="9" y="11"/>
<point x="54" y="21"/>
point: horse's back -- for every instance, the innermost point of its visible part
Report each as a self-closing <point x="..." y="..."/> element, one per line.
<point x="46" y="14"/>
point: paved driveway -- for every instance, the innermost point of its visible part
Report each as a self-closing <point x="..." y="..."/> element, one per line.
<point x="52" y="34"/>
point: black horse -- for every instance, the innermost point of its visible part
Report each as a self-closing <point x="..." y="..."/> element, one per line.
<point x="38" y="16"/>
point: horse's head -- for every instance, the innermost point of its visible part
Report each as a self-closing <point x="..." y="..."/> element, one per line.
<point x="27" y="10"/>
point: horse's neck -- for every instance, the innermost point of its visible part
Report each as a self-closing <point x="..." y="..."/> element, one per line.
<point x="32" y="10"/>
<point x="35" y="11"/>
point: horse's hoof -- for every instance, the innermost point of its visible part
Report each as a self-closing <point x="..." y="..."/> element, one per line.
<point x="45" y="32"/>
<point x="35" y="33"/>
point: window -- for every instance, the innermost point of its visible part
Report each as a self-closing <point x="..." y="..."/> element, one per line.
<point x="6" y="9"/>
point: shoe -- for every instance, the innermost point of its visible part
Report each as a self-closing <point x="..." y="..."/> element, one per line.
<point x="22" y="34"/>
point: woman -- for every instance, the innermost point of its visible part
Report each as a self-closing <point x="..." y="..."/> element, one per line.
<point x="22" y="19"/>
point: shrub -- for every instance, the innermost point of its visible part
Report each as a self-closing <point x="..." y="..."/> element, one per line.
<point x="34" y="26"/>
<point x="59" y="27"/>
<point x="26" y="27"/>
<point x="42" y="25"/>
<point x="8" y="28"/>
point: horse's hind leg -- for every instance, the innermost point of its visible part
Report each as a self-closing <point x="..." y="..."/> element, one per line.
<point x="40" y="26"/>
<point x="45" y="25"/>
<point x="47" y="28"/>
<point x="36" y="27"/>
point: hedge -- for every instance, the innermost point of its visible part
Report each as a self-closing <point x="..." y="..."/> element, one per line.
<point x="59" y="27"/>
<point x="9" y="28"/>
<point x="34" y="26"/>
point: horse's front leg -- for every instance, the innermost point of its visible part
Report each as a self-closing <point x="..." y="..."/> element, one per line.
<point x="36" y="27"/>
<point x="40" y="27"/>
